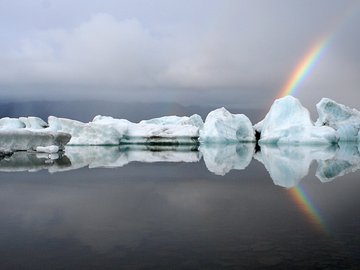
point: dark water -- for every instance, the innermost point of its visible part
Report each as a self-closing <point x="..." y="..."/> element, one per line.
<point x="153" y="210"/>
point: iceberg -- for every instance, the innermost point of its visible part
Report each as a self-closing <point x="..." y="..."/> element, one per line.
<point x="48" y="149"/>
<point x="344" y="120"/>
<point x="23" y="139"/>
<point x="221" y="126"/>
<point x="194" y="120"/>
<point x="29" y="133"/>
<point x="222" y="158"/>
<point x="105" y="130"/>
<point x="32" y="122"/>
<point x="11" y="123"/>
<point x="288" y="122"/>
<point x="102" y="131"/>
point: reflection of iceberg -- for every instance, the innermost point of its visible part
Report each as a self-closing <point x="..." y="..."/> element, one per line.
<point x="287" y="165"/>
<point x="346" y="160"/>
<point x="27" y="161"/>
<point x="118" y="156"/>
<point x="221" y="158"/>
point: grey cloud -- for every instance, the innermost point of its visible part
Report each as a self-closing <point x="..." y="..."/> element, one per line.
<point x="207" y="49"/>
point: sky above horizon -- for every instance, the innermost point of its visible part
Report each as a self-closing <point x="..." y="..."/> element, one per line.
<point x="229" y="52"/>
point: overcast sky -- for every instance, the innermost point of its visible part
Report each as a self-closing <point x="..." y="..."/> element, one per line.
<point x="191" y="52"/>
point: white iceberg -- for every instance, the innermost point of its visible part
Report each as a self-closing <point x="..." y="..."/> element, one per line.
<point x="11" y="123"/>
<point x="288" y="122"/>
<point x="194" y="120"/>
<point x="223" y="127"/>
<point x="32" y="122"/>
<point x="222" y="158"/>
<point x="23" y="139"/>
<point x="344" y="120"/>
<point x="105" y="130"/>
<point x="100" y="132"/>
<point x="48" y="149"/>
<point x="288" y="165"/>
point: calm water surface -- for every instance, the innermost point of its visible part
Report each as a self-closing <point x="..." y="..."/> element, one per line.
<point x="223" y="207"/>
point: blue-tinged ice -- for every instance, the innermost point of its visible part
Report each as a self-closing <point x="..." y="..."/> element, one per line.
<point x="221" y="126"/>
<point x="194" y="120"/>
<point x="344" y="120"/>
<point x="288" y="122"/>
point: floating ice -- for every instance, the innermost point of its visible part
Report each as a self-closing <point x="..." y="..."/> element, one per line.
<point x="222" y="126"/>
<point x="194" y="120"/>
<point x="344" y="120"/>
<point x="48" y="149"/>
<point x="23" y="139"/>
<point x="105" y="130"/>
<point x="11" y="123"/>
<point x="100" y="132"/>
<point x="288" y="122"/>
<point x="32" y="122"/>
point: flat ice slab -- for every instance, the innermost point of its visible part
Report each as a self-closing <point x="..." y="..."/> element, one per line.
<point x="23" y="139"/>
<point x="105" y="130"/>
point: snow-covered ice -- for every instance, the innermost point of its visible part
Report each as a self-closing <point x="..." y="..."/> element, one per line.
<point x="194" y="120"/>
<point x="23" y="139"/>
<point x="105" y="130"/>
<point x="32" y="122"/>
<point x="11" y="123"/>
<point x="344" y="120"/>
<point x="48" y="149"/>
<point x="223" y="126"/>
<point x="288" y="122"/>
<point x="102" y="131"/>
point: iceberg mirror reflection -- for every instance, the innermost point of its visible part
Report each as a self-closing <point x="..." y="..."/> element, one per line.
<point x="222" y="158"/>
<point x="287" y="165"/>
<point x="345" y="160"/>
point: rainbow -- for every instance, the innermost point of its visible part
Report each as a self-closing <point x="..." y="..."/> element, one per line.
<point x="303" y="201"/>
<point x="304" y="67"/>
<point x="313" y="55"/>
<point x="292" y="86"/>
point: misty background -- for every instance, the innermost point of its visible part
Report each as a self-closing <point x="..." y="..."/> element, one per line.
<point x="140" y="59"/>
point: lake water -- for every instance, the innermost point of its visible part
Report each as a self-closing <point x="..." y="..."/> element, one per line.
<point x="217" y="207"/>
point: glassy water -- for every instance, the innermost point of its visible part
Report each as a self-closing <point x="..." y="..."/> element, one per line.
<point x="217" y="207"/>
